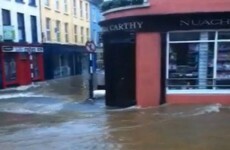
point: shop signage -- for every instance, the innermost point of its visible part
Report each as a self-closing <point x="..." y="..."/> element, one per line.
<point x="124" y="26"/>
<point x="205" y="22"/>
<point x="7" y="48"/>
<point x="165" y="23"/>
<point x="8" y="33"/>
<point x="21" y="49"/>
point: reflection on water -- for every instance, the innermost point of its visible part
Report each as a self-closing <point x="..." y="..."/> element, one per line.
<point x="81" y="126"/>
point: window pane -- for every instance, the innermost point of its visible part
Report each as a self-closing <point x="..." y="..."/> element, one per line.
<point x="6" y="17"/>
<point x="10" y="67"/>
<point x="35" y="69"/>
<point x="81" y="9"/>
<point x="34" y="28"/>
<point x="224" y="35"/>
<point x="223" y="65"/>
<point x="190" y="36"/>
<point x="191" y="66"/>
<point x="47" y="23"/>
<point x="21" y="27"/>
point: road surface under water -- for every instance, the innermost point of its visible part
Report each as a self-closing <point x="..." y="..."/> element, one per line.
<point x="49" y="123"/>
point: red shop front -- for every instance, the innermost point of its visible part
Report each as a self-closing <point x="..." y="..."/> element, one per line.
<point x="21" y="64"/>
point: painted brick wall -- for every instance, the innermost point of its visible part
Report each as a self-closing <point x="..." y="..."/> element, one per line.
<point x="175" y="6"/>
<point x="148" y="64"/>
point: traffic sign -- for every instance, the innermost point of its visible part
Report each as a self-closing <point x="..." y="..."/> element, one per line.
<point x="90" y="46"/>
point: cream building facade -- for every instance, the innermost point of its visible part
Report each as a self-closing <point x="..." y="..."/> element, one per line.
<point x="65" y="21"/>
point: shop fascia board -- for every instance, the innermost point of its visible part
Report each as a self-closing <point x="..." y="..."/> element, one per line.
<point x="145" y="5"/>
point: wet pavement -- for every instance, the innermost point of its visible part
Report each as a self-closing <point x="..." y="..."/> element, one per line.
<point x="39" y="121"/>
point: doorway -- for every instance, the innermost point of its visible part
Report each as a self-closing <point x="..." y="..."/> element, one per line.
<point x="119" y="55"/>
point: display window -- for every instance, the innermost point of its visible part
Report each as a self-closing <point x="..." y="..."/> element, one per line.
<point x="10" y="67"/>
<point x="35" y="66"/>
<point x="198" y="61"/>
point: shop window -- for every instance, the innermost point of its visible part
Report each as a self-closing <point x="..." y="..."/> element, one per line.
<point x="35" y="69"/>
<point x="198" y="61"/>
<point x="10" y="67"/>
<point x="224" y="35"/>
<point x="189" y="36"/>
<point x="223" y="65"/>
<point x="62" y="68"/>
<point x="191" y="65"/>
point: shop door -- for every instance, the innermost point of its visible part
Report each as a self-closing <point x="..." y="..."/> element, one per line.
<point x="120" y="74"/>
<point x="10" y="68"/>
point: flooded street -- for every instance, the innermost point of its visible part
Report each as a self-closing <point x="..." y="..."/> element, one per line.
<point x="37" y="121"/>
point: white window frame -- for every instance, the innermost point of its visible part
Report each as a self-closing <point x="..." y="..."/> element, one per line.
<point x="66" y="29"/>
<point x="57" y="5"/>
<point x="81" y="9"/>
<point x="75" y="8"/>
<point x="66" y="6"/>
<point x="76" y="33"/>
<point x="86" y="11"/>
<point x="82" y="35"/>
<point x="47" y="3"/>
<point x="48" y="30"/>
<point x="215" y="41"/>
<point x="58" y="30"/>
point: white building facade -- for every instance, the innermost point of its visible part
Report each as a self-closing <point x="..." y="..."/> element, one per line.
<point x="20" y="21"/>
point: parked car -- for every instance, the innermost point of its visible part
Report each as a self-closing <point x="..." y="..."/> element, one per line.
<point x="100" y="78"/>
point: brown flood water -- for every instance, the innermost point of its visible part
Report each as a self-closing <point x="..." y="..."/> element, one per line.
<point x="54" y="123"/>
<point x="93" y="127"/>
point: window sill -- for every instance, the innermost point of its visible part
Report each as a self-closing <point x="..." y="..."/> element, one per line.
<point x="47" y="7"/>
<point x="145" y="5"/>
<point x="67" y="14"/>
<point x="208" y="91"/>
<point x="57" y="11"/>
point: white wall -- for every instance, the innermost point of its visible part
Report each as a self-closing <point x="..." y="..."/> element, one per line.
<point x="27" y="10"/>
